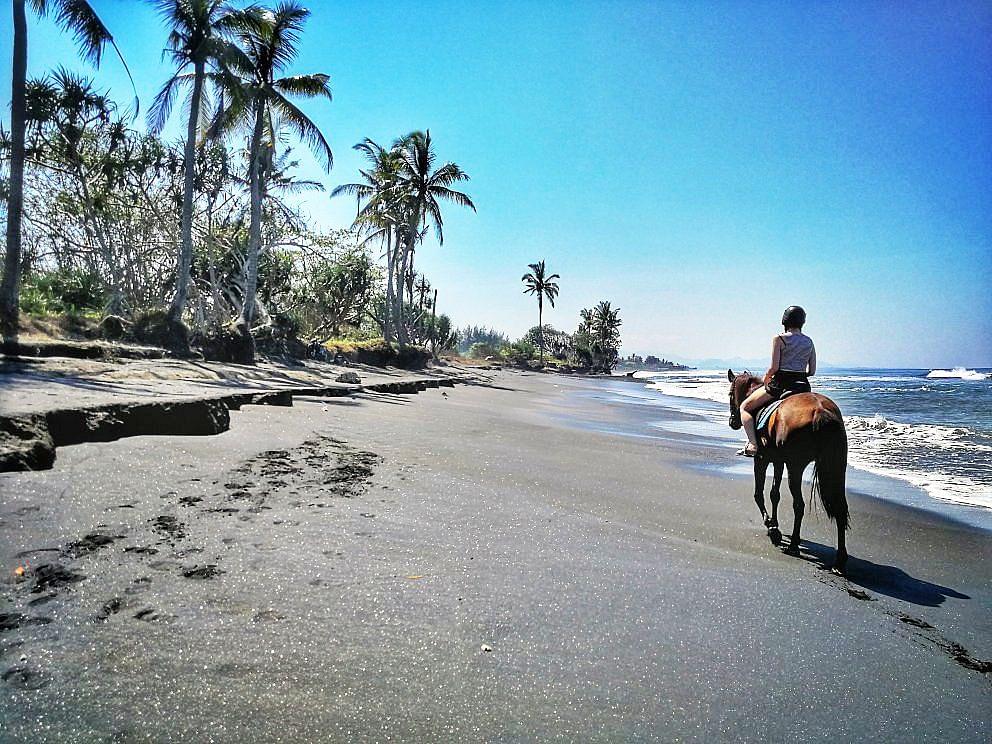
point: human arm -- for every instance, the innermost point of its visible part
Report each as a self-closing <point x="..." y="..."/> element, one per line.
<point x="777" y="344"/>
<point x="776" y="357"/>
<point x="811" y="365"/>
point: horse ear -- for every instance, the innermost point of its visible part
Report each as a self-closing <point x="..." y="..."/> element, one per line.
<point x="730" y="375"/>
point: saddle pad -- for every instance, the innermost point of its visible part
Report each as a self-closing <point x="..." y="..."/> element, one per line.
<point x="766" y="413"/>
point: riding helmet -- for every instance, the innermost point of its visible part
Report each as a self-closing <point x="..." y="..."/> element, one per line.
<point x="794" y="317"/>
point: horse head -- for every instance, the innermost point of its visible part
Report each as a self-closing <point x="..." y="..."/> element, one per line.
<point x="740" y="388"/>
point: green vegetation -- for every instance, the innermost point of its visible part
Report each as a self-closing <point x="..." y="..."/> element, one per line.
<point x="398" y="200"/>
<point x="199" y="240"/>
<point x="79" y="19"/>
<point x="538" y="283"/>
<point x="471" y="335"/>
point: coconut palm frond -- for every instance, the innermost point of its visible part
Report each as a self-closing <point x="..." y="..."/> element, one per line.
<point x="304" y="128"/>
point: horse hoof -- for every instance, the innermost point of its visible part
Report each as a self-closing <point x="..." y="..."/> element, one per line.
<point x="836" y="571"/>
<point x="792" y="550"/>
<point x="775" y="535"/>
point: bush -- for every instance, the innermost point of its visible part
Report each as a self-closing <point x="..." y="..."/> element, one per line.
<point x="481" y="350"/>
<point x="68" y="291"/>
<point x="154" y="328"/>
<point x="224" y="344"/>
<point x="280" y="338"/>
<point x="378" y="353"/>
<point x="519" y="352"/>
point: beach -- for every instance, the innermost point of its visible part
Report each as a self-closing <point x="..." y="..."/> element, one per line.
<point x="469" y="564"/>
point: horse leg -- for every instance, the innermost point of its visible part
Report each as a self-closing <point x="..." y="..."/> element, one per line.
<point x="772" y="522"/>
<point x="840" y="560"/>
<point x="760" y="469"/>
<point x="798" y="505"/>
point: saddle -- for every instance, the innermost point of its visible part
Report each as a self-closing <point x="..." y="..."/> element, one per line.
<point x="764" y="417"/>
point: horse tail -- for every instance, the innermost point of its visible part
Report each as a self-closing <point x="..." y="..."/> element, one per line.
<point x="830" y="470"/>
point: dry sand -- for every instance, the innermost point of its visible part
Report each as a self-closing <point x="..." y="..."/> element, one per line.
<point x="465" y="566"/>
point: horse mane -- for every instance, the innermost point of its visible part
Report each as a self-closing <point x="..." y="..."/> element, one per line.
<point x="751" y="382"/>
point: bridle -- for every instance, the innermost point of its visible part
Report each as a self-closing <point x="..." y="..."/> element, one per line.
<point x="735" y="407"/>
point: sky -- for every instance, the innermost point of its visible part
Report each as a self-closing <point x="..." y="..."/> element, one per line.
<point x="701" y="165"/>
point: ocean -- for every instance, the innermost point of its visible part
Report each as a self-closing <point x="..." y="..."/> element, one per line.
<point x="929" y="430"/>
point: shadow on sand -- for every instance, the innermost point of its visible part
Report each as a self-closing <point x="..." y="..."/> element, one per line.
<point x="881" y="579"/>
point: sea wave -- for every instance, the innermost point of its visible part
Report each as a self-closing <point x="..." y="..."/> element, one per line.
<point x="701" y="389"/>
<point x="880" y="432"/>
<point x="958" y="373"/>
<point x="948" y="462"/>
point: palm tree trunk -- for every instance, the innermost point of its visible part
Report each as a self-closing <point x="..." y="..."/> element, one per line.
<point x="387" y="315"/>
<point x="10" y="288"/>
<point x="185" y="258"/>
<point x="254" y="236"/>
<point x="434" y="325"/>
<point x="400" y="291"/>
<point x="540" y="325"/>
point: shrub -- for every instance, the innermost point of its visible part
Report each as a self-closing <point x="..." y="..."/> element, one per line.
<point x="519" y="352"/>
<point x="154" y="328"/>
<point x="66" y="291"/>
<point x="481" y="350"/>
<point x="378" y="353"/>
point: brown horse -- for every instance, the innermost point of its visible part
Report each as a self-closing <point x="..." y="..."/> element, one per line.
<point x="807" y="427"/>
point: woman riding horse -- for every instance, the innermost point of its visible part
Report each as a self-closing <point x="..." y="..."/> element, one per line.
<point x="793" y="363"/>
<point x="806" y="427"/>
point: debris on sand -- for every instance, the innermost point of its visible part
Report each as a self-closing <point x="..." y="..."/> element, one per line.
<point x="202" y="572"/>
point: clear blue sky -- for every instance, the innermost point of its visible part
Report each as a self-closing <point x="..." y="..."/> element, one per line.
<point x="699" y="164"/>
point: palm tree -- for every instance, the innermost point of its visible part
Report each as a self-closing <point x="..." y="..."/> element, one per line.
<point x="402" y="195"/>
<point x="197" y="39"/>
<point x="381" y="214"/>
<point x="424" y="187"/>
<point x="77" y="17"/>
<point x="257" y="97"/>
<point x="605" y="327"/>
<point x="542" y="286"/>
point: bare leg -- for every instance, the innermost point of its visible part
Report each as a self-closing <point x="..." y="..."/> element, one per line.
<point x="798" y="505"/>
<point x="754" y="401"/>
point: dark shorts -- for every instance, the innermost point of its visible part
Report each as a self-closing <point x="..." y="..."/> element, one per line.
<point x="787" y="382"/>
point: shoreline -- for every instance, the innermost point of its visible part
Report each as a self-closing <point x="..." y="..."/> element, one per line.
<point x="868" y="483"/>
<point x="385" y="566"/>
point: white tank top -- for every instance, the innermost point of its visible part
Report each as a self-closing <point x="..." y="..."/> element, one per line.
<point x="797" y="348"/>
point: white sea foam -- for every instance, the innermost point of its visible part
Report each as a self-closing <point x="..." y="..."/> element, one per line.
<point x="958" y="373"/>
<point x="881" y="433"/>
<point x="906" y="452"/>
<point x="701" y="389"/>
<point x="949" y="462"/>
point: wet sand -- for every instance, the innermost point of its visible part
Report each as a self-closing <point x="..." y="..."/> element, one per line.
<point x="462" y="566"/>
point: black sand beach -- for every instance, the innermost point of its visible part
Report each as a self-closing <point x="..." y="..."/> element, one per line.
<point x="464" y="566"/>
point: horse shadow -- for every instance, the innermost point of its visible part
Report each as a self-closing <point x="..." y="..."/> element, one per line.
<point x="891" y="581"/>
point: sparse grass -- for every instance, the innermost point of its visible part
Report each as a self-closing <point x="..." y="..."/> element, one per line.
<point x="60" y="326"/>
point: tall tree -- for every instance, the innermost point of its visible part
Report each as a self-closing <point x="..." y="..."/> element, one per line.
<point x="604" y="324"/>
<point x="380" y="214"/>
<point x="537" y="283"/>
<point x="196" y="39"/>
<point x="424" y="187"/>
<point x="257" y="96"/>
<point x="78" y="18"/>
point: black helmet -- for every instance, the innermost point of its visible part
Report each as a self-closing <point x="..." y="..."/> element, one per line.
<point x="794" y="317"/>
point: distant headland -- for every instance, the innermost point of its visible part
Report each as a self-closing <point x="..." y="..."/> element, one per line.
<point x="649" y="363"/>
